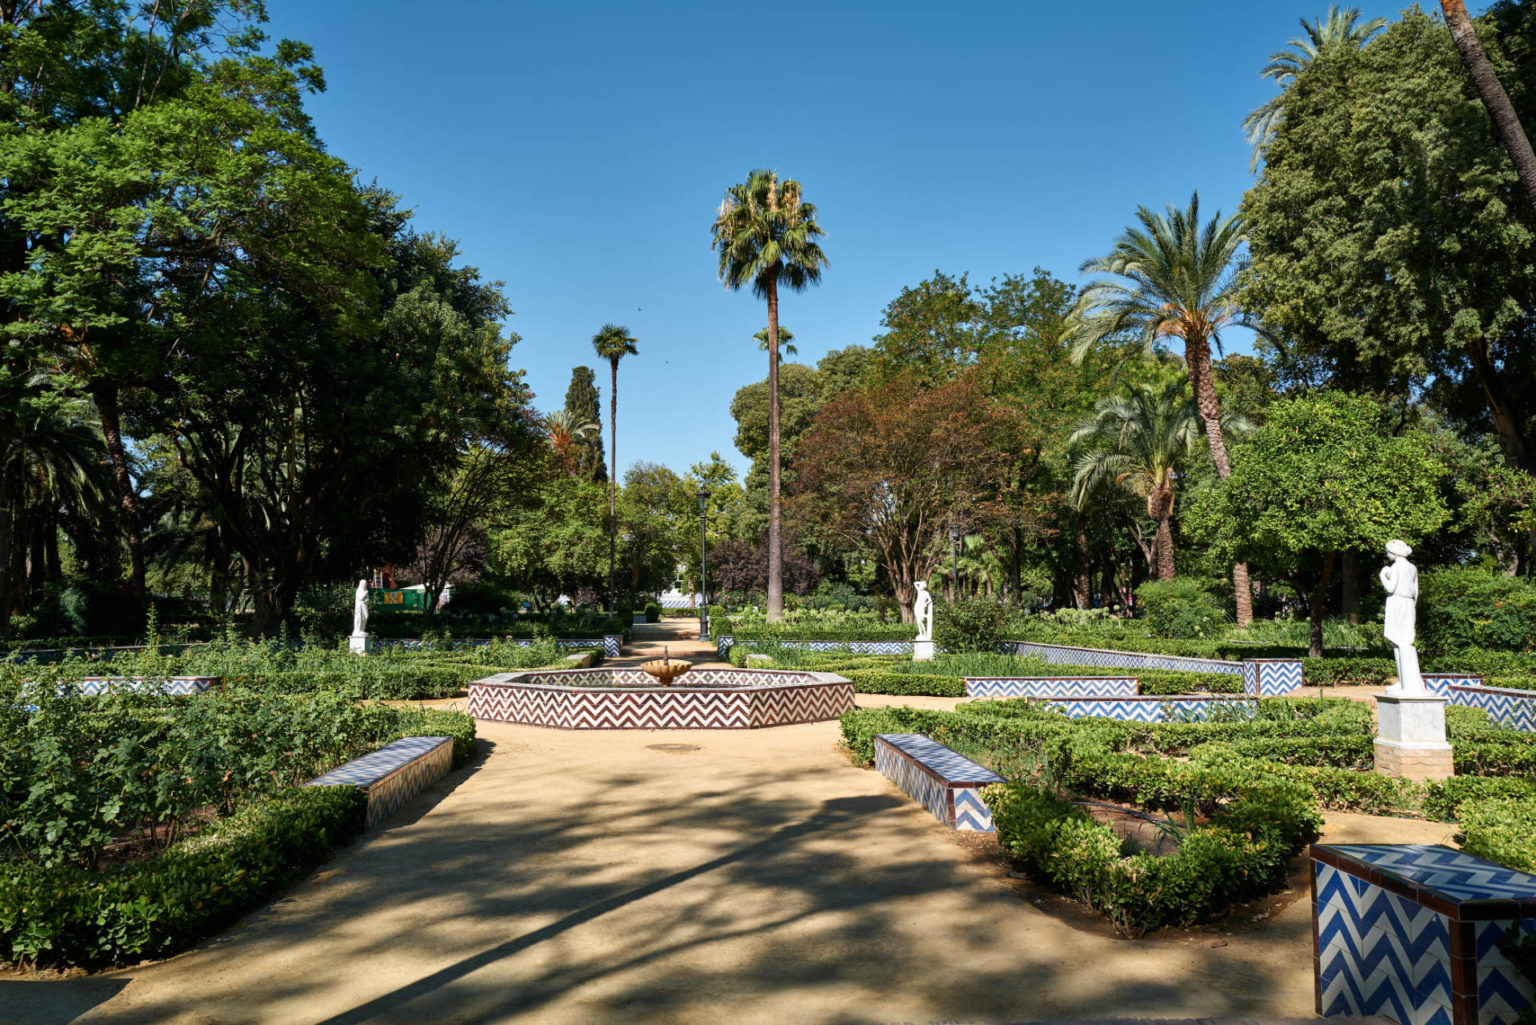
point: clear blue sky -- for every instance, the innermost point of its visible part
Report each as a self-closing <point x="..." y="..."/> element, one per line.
<point x="578" y="150"/>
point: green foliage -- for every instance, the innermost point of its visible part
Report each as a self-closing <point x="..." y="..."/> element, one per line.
<point x="1501" y="829"/>
<point x="67" y="914"/>
<point x="874" y="681"/>
<point x="1476" y="609"/>
<point x="1444" y="797"/>
<point x="970" y="624"/>
<point x="652" y="612"/>
<point x="1181" y="608"/>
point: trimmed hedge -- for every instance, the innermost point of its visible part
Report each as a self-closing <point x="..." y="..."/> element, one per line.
<point x="1501" y="829"/>
<point x="76" y="916"/>
<point x="1443" y="797"/>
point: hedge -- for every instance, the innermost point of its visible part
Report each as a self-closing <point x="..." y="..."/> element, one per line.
<point x="1443" y="797"/>
<point x="1501" y="829"/>
<point x="76" y="916"/>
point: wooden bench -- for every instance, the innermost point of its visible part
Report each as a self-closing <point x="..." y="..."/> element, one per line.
<point x="393" y="774"/>
<point x="946" y="783"/>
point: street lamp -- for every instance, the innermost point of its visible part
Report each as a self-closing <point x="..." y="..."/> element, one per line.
<point x="954" y="565"/>
<point x="703" y="495"/>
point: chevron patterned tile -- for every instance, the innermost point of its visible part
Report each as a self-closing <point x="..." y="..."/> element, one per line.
<point x="392" y="775"/>
<point x="954" y="800"/>
<point x="1272" y="678"/>
<point x="1050" y="686"/>
<point x="1145" y="708"/>
<point x="1515" y="709"/>
<point x="1455" y="874"/>
<point x="182" y="685"/>
<point x="1062" y="654"/>
<point x="971" y="812"/>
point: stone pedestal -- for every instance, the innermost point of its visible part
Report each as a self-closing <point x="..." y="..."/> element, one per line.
<point x="922" y="651"/>
<point x="358" y="643"/>
<point x="1410" y="736"/>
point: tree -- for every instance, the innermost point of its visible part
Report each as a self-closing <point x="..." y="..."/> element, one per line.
<point x="786" y="336"/>
<point x="889" y="468"/>
<point x="932" y="329"/>
<point x="1172" y="279"/>
<point x="765" y="234"/>
<point x="1140" y="441"/>
<point x="1318" y="477"/>
<point x="1505" y="119"/>
<point x="567" y="437"/>
<point x="1390" y="243"/>
<point x="1339" y="29"/>
<point x="612" y="343"/>
<point x="583" y="406"/>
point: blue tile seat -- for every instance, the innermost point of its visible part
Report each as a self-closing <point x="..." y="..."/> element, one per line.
<point x="946" y="783"/>
<point x="393" y="774"/>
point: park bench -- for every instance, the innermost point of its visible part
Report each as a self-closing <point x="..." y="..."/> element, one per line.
<point x="946" y="783"/>
<point x="393" y="774"/>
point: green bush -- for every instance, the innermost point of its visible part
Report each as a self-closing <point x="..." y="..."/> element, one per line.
<point x="970" y="624"/>
<point x="875" y="681"/>
<point x="1500" y="829"/>
<point x="1476" y="609"/>
<point x="652" y="612"/>
<point x="1182" y="608"/>
<point x="65" y="914"/>
<point x="1347" y="672"/>
<point x="1442" y="797"/>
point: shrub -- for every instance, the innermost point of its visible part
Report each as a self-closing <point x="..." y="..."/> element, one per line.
<point x="1476" y="609"/>
<point x="1181" y="608"/>
<point x="652" y="612"/>
<point x="875" y="681"/>
<point x="1443" y="797"/>
<point x="970" y="624"/>
<point x="1500" y="829"/>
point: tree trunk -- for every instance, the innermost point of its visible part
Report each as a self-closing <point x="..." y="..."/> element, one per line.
<point x="7" y="520"/>
<point x="1081" y="584"/>
<point x="1165" y="547"/>
<point x="104" y="394"/>
<point x="613" y="476"/>
<point x="1349" y="573"/>
<point x="1197" y="357"/>
<point x="775" y="525"/>
<point x="1317" y="603"/>
<point x="1505" y="121"/>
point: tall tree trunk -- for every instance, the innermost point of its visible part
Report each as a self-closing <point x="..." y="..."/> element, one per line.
<point x="104" y="394"/>
<point x="1349" y="574"/>
<point x="1165" y="546"/>
<point x="1082" y="585"/>
<point x="1317" y="603"/>
<point x="613" y="476"/>
<point x="775" y="524"/>
<point x="1197" y="357"/>
<point x="7" y="525"/>
<point x="1505" y="121"/>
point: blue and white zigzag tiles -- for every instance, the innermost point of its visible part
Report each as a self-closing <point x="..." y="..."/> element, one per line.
<point x="1149" y="708"/>
<point x="1271" y="677"/>
<point x="1061" y="654"/>
<point x="393" y="774"/>
<point x="1514" y="709"/>
<point x="943" y="781"/>
<point x="1050" y="686"/>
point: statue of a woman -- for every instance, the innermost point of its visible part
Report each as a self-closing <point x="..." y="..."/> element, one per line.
<point x="922" y="611"/>
<point x="1401" y="580"/>
<point x="360" y="609"/>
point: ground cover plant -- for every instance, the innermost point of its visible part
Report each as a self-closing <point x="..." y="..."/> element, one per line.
<point x="135" y="822"/>
<point x="1250" y="789"/>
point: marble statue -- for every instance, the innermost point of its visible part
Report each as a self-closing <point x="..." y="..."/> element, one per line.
<point x="1401" y="580"/>
<point x="360" y="609"/>
<point x="922" y="611"/>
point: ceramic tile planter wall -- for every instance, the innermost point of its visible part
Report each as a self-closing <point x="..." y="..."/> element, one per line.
<point x="947" y="784"/>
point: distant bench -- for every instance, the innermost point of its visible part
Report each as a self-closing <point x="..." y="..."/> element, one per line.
<point x="393" y="774"/>
<point x="946" y="783"/>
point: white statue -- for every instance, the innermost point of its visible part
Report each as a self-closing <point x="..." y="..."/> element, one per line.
<point x="922" y="611"/>
<point x="360" y="609"/>
<point x="1401" y="580"/>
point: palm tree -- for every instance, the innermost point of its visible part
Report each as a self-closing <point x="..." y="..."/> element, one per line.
<point x="1505" y="119"/>
<point x="613" y="343"/>
<point x="1141" y="441"/>
<point x="565" y="429"/>
<point x="1339" y="29"/>
<point x="766" y="233"/>
<point x="1172" y="279"/>
<point x="785" y="337"/>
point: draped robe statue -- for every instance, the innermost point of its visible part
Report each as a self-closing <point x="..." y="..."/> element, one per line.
<point x="1401" y="580"/>
<point x="922" y="611"/>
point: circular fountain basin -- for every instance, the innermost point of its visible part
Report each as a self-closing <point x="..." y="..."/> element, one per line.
<point x="628" y="699"/>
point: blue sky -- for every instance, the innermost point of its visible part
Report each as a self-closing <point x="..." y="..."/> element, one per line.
<point x="578" y="150"/>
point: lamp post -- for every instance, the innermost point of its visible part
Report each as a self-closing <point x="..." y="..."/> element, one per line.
<point x="703" y="495"/>
<point x="954" y="564"/>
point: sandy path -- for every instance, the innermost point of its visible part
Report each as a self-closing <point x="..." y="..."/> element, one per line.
<point x="589" y="878"/>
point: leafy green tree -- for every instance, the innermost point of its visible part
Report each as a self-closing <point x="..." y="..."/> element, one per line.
<point x="1390" y="244"/>
<point x="1341" y="28"/>
<point x="554" y="545"/>
<point x="612" y="343"/>
<point x="659" y="516"/>
<point x="1171" y="278"/>
<point x="765" y="235"/>
<point x="583" y="406"/>
<point x="932" y="330"/>
<point x="1320" y="476"/>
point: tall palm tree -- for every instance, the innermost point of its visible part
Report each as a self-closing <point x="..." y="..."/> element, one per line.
<point x="1141" y="441"/>
<point x="1491" y="91"/>
<point x="1339" y="29"/>
<point x="785" y="337"/>
<point x="765" y="233"/>
<point x="1172" y="278"/>
<point x="613" y="343"/>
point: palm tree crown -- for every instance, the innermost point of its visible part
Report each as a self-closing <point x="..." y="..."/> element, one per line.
<point x="765" y="234"/>
<point x="785" y="337"/>
<point x="1340" y="28"/>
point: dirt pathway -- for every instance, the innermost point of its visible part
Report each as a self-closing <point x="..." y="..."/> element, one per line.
<point x="754" y="877"/>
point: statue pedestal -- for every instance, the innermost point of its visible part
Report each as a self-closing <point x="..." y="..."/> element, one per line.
<point x="922" y="651"/>
<point x="358" y="643"/>
<point x="1410" y="736"/>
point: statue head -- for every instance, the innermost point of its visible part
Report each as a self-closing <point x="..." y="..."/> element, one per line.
<point x="921" y="585"/>
<point x="1398" y="549"/>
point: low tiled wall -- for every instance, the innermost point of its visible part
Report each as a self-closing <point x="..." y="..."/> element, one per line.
<point x="947" y="784"/>
<point x="1514" y="709"/>
<point x="1050" y="686"/>
<point x="1151" y="708"/>
<point x="1062" y="654"/>
<point x="393" y="775"/>
<point x="165" y="684"/>
<point x="1271" y="677"/>
<point x="724" y="642"/>
<point x="609" y="644"/>
<point x="1412" y="932"/>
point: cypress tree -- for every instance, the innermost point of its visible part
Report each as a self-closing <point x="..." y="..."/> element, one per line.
<point x="583" y="403"/>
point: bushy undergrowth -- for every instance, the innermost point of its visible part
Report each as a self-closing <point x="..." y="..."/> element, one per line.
<point x="1182" y="608"/>
<point x="970" y="625"/>
<point x="1501" y="829"/>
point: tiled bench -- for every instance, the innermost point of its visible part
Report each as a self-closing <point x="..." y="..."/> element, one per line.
<point x="393" y="774"/>
<point x="165" y="684"/>
<point x="947" y="784"/>
<point x="1412" y="931"/>
<point x="1151" y="708"/>
<point x="1050" y="686"/>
